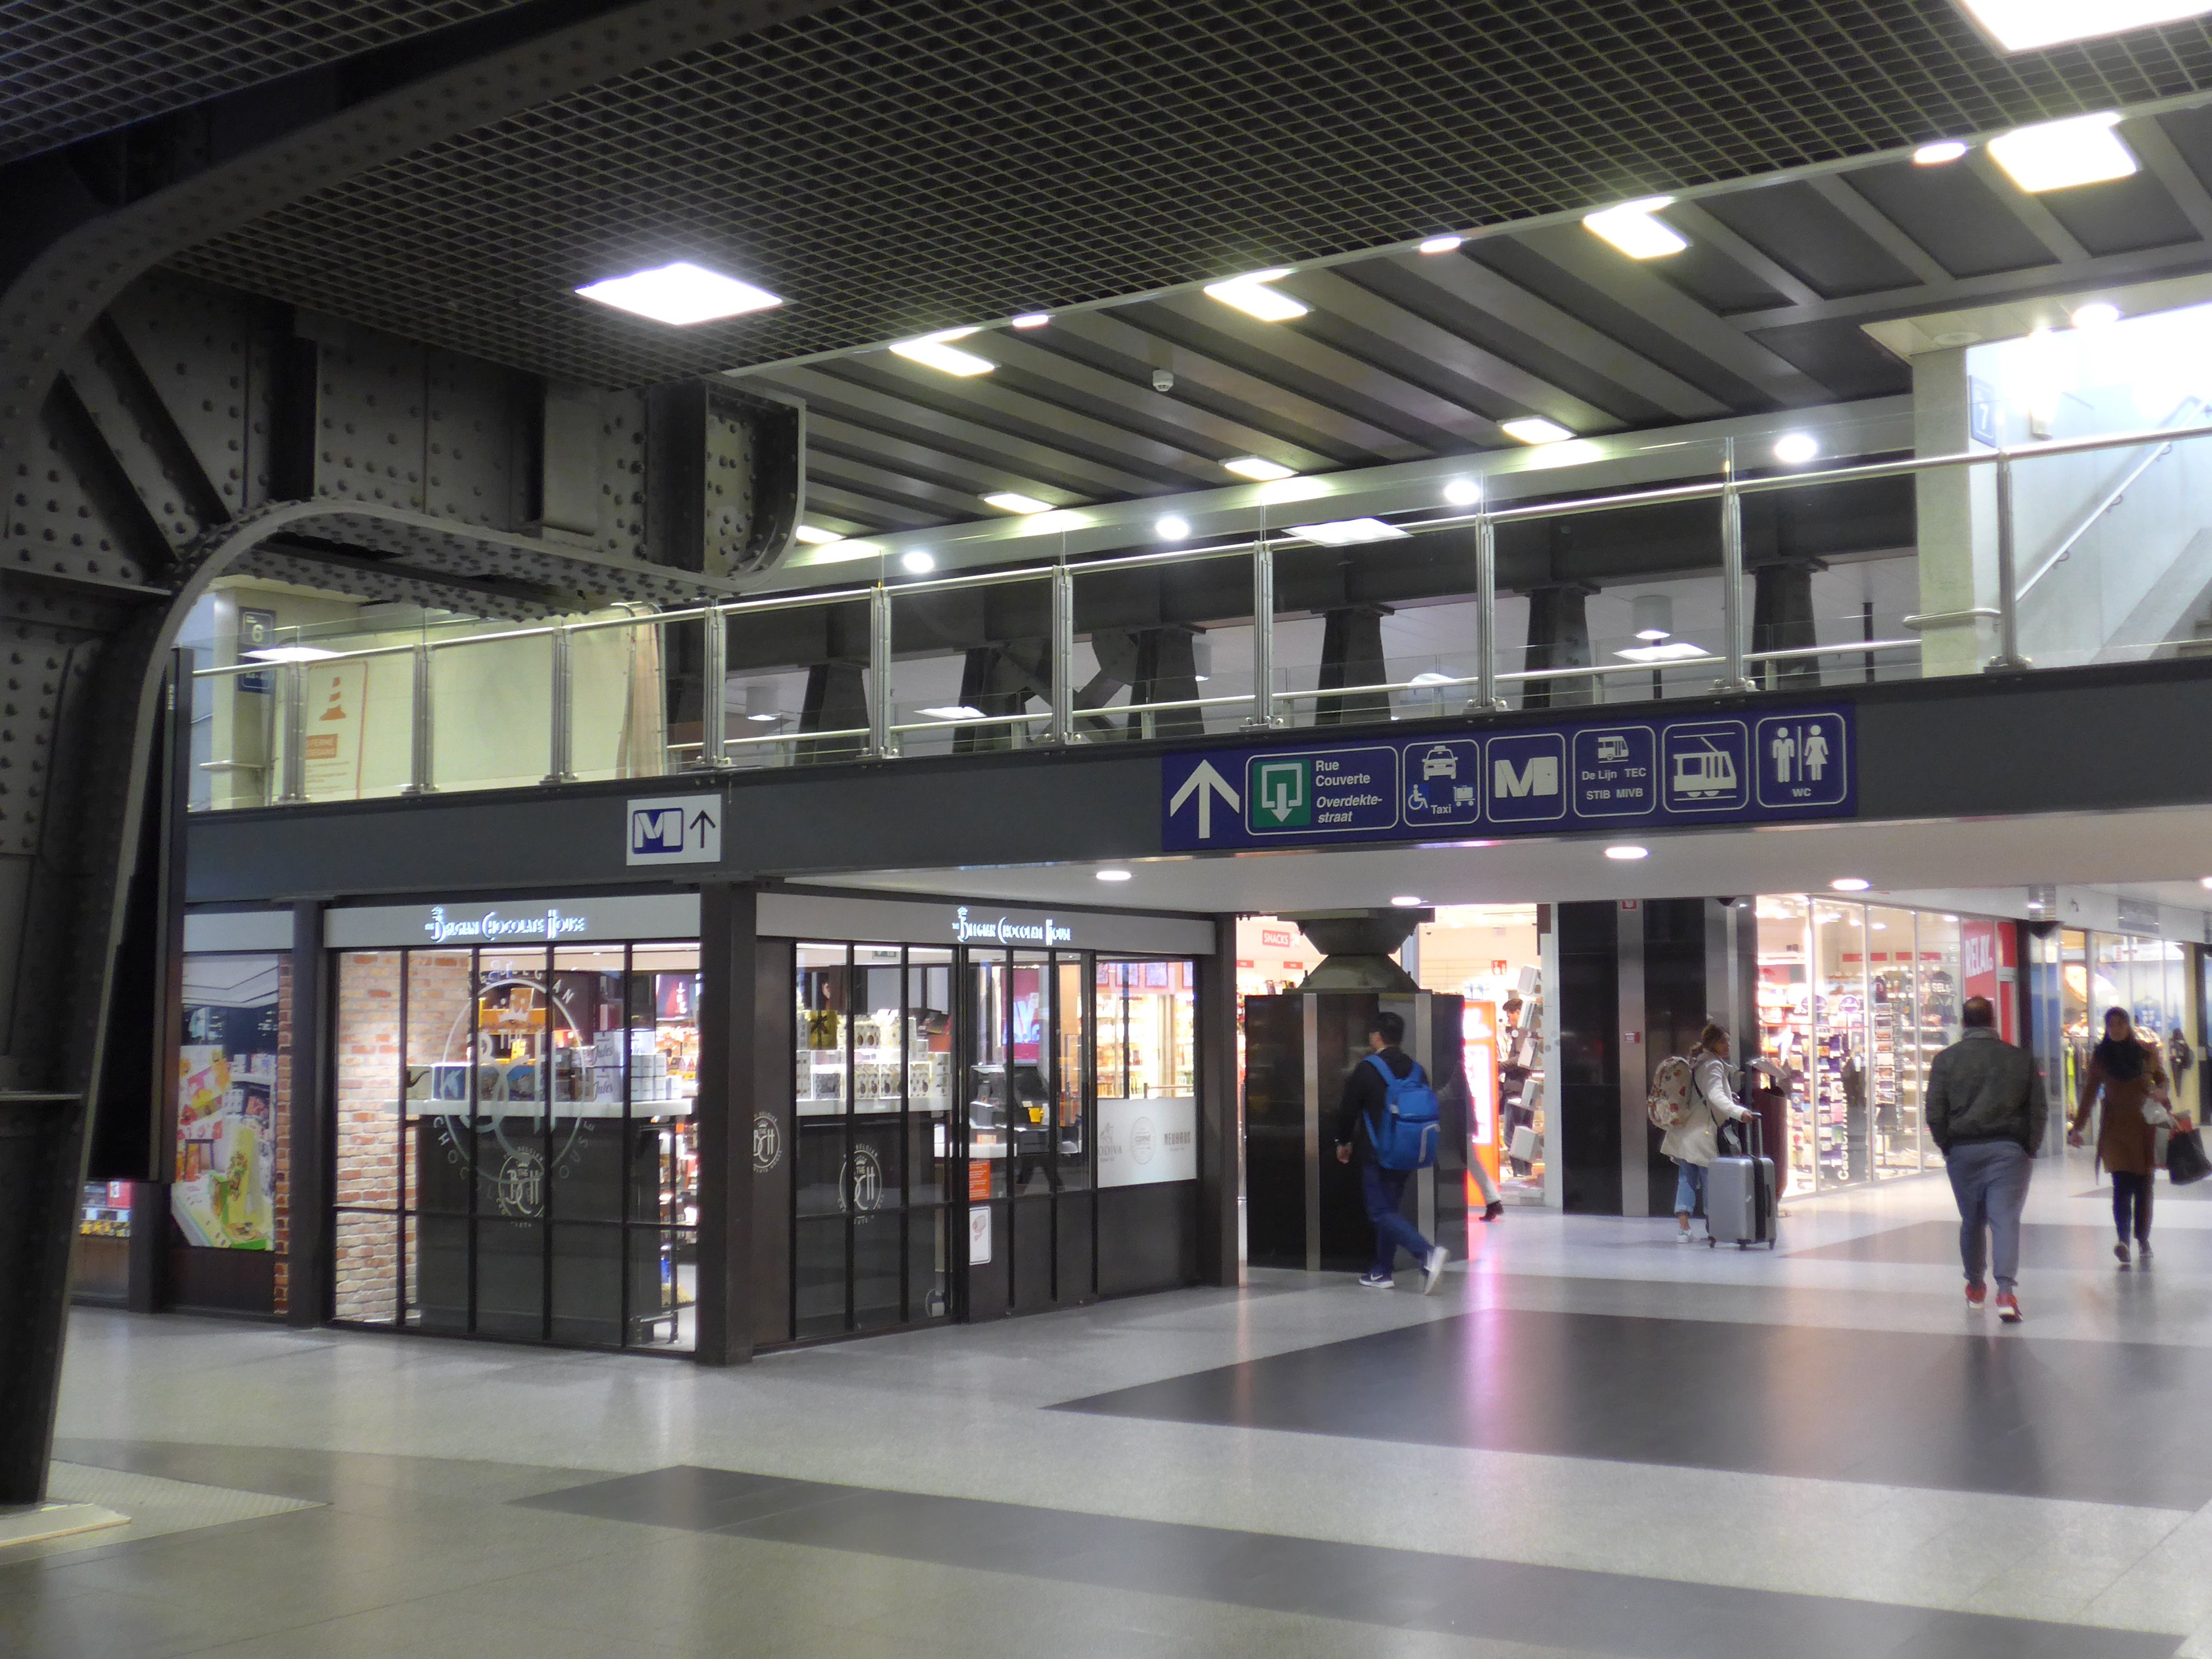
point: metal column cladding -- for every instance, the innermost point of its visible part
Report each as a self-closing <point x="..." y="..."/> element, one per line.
<point x="1639" y="772"/>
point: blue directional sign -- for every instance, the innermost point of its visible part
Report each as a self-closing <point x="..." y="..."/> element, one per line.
<point x="1444" y="784"/>
<point x="1706" y="767"/>
<point x="1591" y="774"/>
<point x="1616" y="772"/>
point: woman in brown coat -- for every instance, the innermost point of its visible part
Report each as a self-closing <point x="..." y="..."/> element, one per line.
<point x="2133" y="1080"/>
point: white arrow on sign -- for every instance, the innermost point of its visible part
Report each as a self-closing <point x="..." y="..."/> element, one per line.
<point x="1206" y="783"/>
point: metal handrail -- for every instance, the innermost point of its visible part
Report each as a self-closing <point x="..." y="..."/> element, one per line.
<point x="1483" y="519"/>
<point x="2110" y="499"/>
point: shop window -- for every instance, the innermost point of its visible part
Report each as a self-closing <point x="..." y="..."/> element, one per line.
<point x="1147" y="1090"/>
<point x="515" y="1146"/>
<point x="226" y="1201"/>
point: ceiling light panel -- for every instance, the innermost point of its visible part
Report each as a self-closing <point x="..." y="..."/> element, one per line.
<point x="1008" y="501"/>
<point x="1534" y="429"/>
<point x="680" y="295"/>
<point x="1258" y="469"/>
<point x="2032" y="25"/>
<point x="815" y="537"/>
<point x="937" y="351"/>
<point x="1345" y="532"/>
<point x="2062" y="155"/>
<point x="1251" y="294"/>
<point x="1631" y="229"/>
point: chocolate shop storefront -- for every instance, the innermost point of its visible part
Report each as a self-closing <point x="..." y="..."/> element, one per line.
<point x="718" y="1121"/>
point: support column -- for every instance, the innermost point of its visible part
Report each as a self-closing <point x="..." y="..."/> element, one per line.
<point x="1220" y="1115"/>
<point x="836" y="700"/>
<point x="1782" y="620"/>
<point x="1635" y="1065"/>
<point x="1558" y="637"/>
<point x="1167" y="672"/>
<point x="1351" y="654"/>
<point x="308" y="1239"/>
<point x="1956" y="513"/>
<point x="728" y="988"/>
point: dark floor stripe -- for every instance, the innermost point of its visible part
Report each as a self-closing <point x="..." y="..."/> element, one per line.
<point x="1406" y="1589"/>
<point x="1992" y="1410"/>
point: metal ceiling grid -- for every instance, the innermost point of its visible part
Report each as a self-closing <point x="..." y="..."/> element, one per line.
<point x="896" y="166"/>
<point x="71" y="70"/>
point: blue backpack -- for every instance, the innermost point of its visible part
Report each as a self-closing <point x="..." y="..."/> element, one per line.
<point x="1406" y="1136"/>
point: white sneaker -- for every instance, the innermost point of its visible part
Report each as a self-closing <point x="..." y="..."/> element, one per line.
<point x="1433" y="1268"/>
<point x="1372" y="1282"/>
<point x="1683" y="1235"/>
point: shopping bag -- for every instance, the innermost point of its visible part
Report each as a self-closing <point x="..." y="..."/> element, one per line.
<point x="2184" y="1158"/>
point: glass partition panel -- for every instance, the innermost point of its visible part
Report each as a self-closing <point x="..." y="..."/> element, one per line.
<point x="654" y="1059"/>
<point x="2076" y="996"/>
<point x="1072" y="1072"/>
<point x="1899" y="1072"/>
<point x="1940" y="981"/>
<point x="929" y="1072"/>
<point x="994" y="1080"/>
<point x="1785" y="1023"/>
<point x="1841" y="1045"/>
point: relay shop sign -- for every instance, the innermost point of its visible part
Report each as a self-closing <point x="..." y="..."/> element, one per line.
<point x="1594" y="775"/>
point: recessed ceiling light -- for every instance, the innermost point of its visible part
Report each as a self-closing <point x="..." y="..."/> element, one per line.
<point x="1033" y="320"/>
<point x="1665" y="651"/>
<point x="2060" y="154"/>
<point x="1008" y="501"/>
<point x="814" y="537"/>
<point x="1250" y="294"/>
<point x="2028" y="25"/>
<point x="2202" y="881"/>
<point x="1463" y="492"/>
<point x="1627" y="854"/>
<point x="1851" y="883"/>
<point x="937" y="351"/>
<point x="920" y="562"/>
<point x="289" y="654"/>
<point x="2097" y="313"/>
<point x="1407" y="900"/>
<point x="1260" y="470"/>
<point x="680" y="295"/>
<point x="1172" y="527"/>
<point x="1938" y="154"/>
<point x="1631" y="229"/>
<point x="1113" y="875"/>
<point x="1343" y="532"/>
<point x="954" y="711"/>
<point x="1795" y="448"/>
<point x="1534" y="429"/>
<point x="1444" y="244"/>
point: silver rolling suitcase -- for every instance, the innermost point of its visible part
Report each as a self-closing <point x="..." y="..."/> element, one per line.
<point x="1740" y="1201"/>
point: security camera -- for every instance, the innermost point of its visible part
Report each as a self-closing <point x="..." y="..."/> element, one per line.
<point x="1163" y="380"/>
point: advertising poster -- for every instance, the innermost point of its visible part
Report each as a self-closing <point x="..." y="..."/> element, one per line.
<point x="224" y="1195"/>
<point x="337" y="698"/>
<point x="1985" y="963"/>
<point x="1028" y="987"/>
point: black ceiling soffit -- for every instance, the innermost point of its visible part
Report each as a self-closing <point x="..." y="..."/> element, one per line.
<point x="894" y="167"/>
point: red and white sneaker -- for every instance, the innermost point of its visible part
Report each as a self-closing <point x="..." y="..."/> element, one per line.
<point x="2008" y="1308"/>
<point x="1977" y="1295"/>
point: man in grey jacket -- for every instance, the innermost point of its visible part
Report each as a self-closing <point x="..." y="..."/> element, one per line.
<point x="1986" y="1112"/>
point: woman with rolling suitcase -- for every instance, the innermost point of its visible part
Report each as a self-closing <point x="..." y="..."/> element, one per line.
<point x="1694" y="1142"/>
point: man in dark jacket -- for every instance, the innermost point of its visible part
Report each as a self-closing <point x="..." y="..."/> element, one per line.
<point x="1986" y="1111"/>
<point x="1380" y="1189"/>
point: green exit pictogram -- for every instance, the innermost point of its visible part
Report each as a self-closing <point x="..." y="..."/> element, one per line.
<point x="1282" y="794"/>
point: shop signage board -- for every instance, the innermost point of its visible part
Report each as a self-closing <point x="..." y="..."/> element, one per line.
<point x="1592" y="774"/>
<point x="1142" y="1141"/>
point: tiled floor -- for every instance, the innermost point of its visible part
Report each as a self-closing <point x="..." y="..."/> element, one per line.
<point x="1589" y="1442"/>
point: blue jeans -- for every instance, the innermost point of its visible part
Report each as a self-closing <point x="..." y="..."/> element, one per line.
<point x="1689" y="1188"/>
<point x="1381" y="1189"/>
<point x="1989" y="1180"/>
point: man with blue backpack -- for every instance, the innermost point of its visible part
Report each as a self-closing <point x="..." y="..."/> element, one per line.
<point x="1388" y="1122"/>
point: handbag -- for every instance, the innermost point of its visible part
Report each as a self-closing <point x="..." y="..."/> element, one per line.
<point x="2185" y="1159"/>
